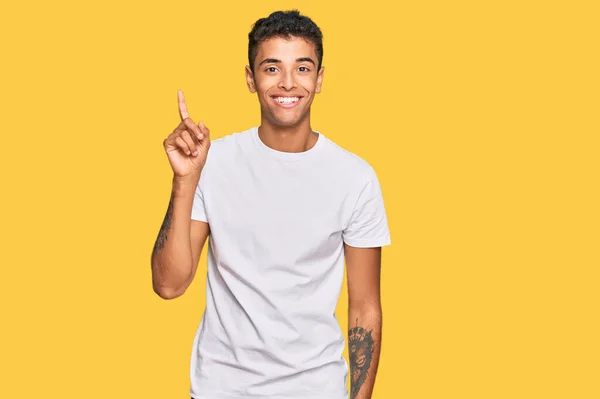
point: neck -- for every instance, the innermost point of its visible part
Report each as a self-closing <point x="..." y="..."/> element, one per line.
<point x="294" y="138"/>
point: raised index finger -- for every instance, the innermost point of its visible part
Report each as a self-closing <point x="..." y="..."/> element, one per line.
<point x="183" y="112"/>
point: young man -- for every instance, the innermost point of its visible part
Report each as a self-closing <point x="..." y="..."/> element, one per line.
<point x="284" y="206"/>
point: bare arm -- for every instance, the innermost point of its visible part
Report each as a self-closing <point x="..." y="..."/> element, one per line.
<point x="364" y="318"/>
<point x="180" y="240"/>
<point x="179" y="243"/>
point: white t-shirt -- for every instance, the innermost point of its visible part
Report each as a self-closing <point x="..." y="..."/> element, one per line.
<point x="278" y="222"/>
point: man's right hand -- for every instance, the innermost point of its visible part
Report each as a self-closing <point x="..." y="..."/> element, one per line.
<point x="187" y="147"/>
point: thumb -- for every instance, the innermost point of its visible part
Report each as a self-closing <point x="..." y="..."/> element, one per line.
<point x="205" y="131"/>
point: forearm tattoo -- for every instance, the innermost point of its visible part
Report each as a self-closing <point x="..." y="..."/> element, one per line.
<point x="361" y="355"/>
<point x="164" y="228"/>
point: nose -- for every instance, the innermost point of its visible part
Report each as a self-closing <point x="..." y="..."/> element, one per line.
<point x="287" y="81"/>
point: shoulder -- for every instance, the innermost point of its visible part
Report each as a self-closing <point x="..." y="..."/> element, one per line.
<point x="224" y="155"/>
<point x="231" y="140"/>
<point x="226" y="147"/>
<point x="349" y="163"/>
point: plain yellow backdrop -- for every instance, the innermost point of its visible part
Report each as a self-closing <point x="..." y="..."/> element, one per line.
<point x="480" y="118"/>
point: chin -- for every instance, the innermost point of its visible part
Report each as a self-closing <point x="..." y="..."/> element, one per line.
<point x="287" y="122"/>
<point x="284" y="122"/>
<point x="277" y="118"/>
<point x="290" y="120"/>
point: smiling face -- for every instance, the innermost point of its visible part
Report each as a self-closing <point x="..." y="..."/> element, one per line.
<point x="285" y="79"/>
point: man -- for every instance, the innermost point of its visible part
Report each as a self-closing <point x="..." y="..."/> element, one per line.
<point x="284" y="206"/>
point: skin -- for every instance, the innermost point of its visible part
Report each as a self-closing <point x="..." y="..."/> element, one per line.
<point x="180" y="240"/>
<point x="363" y="266"/>
<point x="282" y="67"/>
<point x="286" y="67"/>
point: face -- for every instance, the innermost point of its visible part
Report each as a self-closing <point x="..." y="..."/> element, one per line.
<point x="285" y="79"/>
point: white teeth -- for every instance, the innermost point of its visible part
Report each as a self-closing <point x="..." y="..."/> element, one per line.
<point x="287" y="100"/>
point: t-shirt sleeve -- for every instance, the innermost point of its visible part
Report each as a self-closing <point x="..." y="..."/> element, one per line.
<point x="198" y="209"/>
<point x="368" y="225"/>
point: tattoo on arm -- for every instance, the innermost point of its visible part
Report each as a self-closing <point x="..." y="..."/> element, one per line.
<point x="361" y="355"/>
<point x="164" y="228"/>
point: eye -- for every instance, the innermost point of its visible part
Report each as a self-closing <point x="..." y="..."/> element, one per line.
<point x="271" y="69"/>
<point x="305" y="69"/>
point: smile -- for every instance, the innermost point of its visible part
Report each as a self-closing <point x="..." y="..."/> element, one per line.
<point x="286" y="102"/>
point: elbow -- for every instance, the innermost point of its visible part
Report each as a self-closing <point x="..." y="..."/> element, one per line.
<point x="168" y="293"/>
<point x="167" y="290"/>
<point x="168" y="285"/>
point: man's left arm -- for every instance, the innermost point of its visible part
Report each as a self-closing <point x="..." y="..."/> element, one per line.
<point x="363" y="267"/>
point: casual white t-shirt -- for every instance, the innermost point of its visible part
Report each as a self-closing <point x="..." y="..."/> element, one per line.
<point x="278" y="222"/>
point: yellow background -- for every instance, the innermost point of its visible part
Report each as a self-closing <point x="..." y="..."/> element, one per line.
<point x="480" y="118"/>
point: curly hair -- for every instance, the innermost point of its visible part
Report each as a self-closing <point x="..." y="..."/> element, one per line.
<point x="284" y="24"/>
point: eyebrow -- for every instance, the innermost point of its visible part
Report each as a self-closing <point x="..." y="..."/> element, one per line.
<point x="276" y="61"/>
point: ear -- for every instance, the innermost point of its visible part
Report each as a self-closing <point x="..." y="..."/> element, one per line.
<point x="250" y="80"/>
<point x="319" y="79"/>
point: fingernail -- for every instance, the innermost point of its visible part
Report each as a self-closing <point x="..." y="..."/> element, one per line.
<point x="200" y="136"/>
<point x="195" y="153"/>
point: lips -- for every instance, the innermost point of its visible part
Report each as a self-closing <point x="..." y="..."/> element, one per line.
<point x="286" y="101"/>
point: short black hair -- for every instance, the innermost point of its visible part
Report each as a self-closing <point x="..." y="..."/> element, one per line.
<point x="284" y="24"/>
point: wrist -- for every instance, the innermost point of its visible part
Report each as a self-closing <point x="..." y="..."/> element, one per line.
<point x="185" y="185"/>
